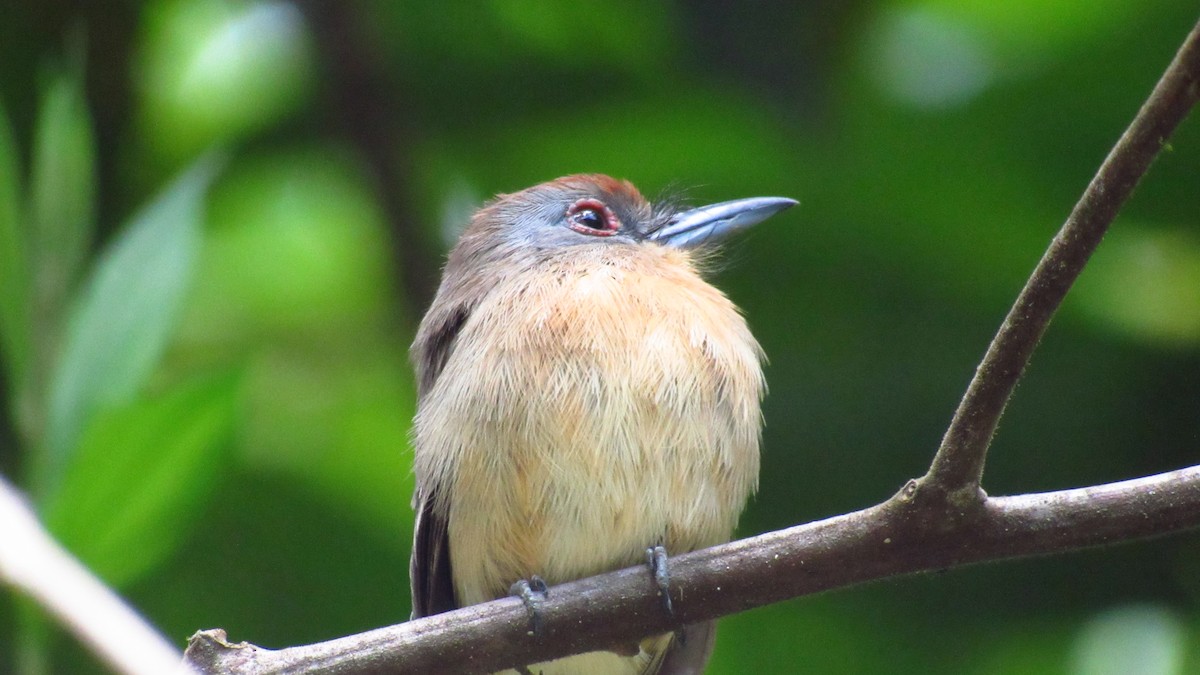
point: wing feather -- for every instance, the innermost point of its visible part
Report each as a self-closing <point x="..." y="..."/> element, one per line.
<point x="429" y="569"/>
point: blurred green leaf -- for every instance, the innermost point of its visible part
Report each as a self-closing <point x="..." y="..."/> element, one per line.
<point x="216" y="71"/>
<point x="814" y="632"/>
<point x="141" y="475"/>
<point x="1026" y="31"/>
<point x="633" y="33"/>
<point x="340" y="430"/>
<point x="297" y="245"/>
<point x="14" y="285"/>
<point x="123" y="316"/>
<point x="926" y="59"/>
<point x="277" y="547"/>
<point x="62" y="187"/>
<point x="1142" y="639"/>
<point x="1145" y="283"/>
<point x="295" y="276"/>
<point x="1038" y="645"/>
<point x="487" y="48"/>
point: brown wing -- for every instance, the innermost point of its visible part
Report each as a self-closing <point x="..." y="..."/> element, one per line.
<point x="689" y="651"/>
<point x="429" y="568"/>
<point x="435" y="343"/>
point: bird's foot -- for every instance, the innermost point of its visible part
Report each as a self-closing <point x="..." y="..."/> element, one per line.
<point x="656" y="558"/>
<point x="532" y="591"/>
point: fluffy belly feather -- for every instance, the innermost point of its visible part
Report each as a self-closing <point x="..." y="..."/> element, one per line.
<point x="617" y="408"/>
<point x="584" y="472"/>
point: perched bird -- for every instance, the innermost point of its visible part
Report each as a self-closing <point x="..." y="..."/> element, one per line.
<point x="584" y="395"/>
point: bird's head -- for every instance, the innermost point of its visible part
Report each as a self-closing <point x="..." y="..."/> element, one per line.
<point x="596" y="210"/>
<point x="535" y="229"/>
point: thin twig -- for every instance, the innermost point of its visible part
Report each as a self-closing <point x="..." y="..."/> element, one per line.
<point x="33" y="563"/>
<point x="958" y="466"/>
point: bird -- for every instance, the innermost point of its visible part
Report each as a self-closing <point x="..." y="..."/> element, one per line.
<point x="584" y="396"/>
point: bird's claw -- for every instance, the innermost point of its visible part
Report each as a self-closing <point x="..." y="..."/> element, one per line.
<point x="656" y="558"/>
<point x="532" y="592"/>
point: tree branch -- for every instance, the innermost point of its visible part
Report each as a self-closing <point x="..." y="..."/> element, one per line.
<point x="33" y="563"/>
<point x="940" y="521"/>
<point x="958" y="466"/>
<point x="896" y="538"/>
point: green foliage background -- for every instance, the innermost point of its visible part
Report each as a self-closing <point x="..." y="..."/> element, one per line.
<point x="221" y="219"/>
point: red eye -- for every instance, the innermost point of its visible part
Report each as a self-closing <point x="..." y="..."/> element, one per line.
<point x="591" y="216"/>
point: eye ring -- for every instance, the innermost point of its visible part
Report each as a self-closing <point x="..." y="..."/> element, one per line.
<point x="590" y="216"/>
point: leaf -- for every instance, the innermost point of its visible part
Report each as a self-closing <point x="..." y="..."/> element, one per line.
<point x="1144" y="283"/>
<point x="634" y="34"/>
<point x="1026" y="32"/>
<point x="14" y="318"/>
<point x="62" y="188"/>
<point x="215" y="71"/>
<point x="123" y="317"/>
<point x="141" y="475"/>
<point x="1145" y="639"/>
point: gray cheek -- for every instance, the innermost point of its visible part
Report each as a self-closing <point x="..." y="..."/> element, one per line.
<point x="539" y="227"/>
<point x="545" y="228"/>
<point x="562" y="237"/>
<point x="557" y="235"/>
